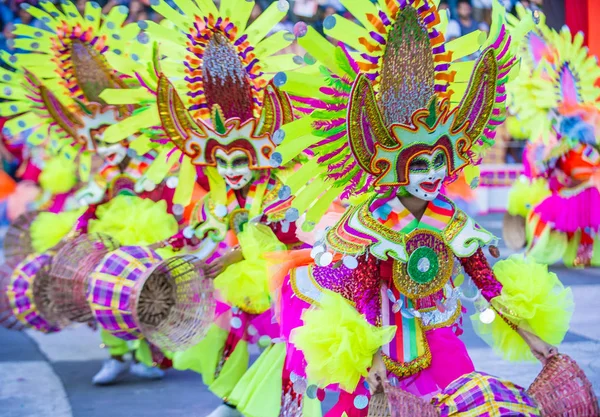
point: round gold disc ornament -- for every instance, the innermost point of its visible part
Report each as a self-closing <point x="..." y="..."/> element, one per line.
<point x="429" y="266"/>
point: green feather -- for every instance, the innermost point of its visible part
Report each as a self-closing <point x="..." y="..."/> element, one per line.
<point x="432" y="118"/>
<point x="342" y="60"/>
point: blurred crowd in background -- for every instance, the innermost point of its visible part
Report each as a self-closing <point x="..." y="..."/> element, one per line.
<point x="466" y="15"/>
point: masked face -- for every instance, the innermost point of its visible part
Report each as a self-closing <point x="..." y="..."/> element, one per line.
<point x="426" y="174"/>
<point x="112" y="154"/>
<point x="234" y="167"/>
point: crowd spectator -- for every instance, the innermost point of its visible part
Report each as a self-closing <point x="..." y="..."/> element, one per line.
<point x="465" y="19"/>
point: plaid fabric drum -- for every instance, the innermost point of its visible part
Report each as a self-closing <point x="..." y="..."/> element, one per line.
<point x="7" y="316"/>
<point x="479" y="394"/>
<point x="22" y="294"/>
<point x="111" y="287"/>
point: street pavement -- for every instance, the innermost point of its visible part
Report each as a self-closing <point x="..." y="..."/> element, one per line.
<point x="49" y="375"/>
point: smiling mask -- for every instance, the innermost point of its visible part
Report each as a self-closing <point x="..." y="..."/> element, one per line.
<point x="234" y="167"/>
<point x="426" y="175"/>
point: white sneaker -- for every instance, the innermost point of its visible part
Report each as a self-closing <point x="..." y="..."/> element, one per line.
<point x="225" y="411"/>
<point x="112" y="370"/>
<point x="142" y="371"/>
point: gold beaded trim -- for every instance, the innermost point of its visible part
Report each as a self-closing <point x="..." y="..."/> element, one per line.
<point x="342" y="245"/>
<point x="299" y="293"/>
<point x="402" y="370"/>
<point x="366" y="218"/>
<point x="455" y="226"/>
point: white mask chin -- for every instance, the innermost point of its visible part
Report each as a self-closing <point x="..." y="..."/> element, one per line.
<point x="234" y="168"/>
<point x="426" y="176"/>
<point x="112" y="154"/>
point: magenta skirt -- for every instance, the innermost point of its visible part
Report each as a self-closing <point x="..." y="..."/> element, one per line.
<point x="570" y="214"/>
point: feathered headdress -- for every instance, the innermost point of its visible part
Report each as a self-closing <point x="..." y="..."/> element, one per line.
<point x="208" y="87"/>
<point x="55" y="87"/>
<point x="556" y="94"/>
<point x="404" y="92"/>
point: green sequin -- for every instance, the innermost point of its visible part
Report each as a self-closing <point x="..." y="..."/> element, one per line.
<point x="423" y="265"/>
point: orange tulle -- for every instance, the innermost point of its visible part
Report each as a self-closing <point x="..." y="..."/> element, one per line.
<point x="279" y="264"/>
<point x="7" y="185"/>
<point x="197" y="195"/>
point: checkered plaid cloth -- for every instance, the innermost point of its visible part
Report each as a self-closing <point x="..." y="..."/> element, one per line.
<point x="481" y="395"/>
<point x="20" y="293"/>
<point x="111" y="286"/>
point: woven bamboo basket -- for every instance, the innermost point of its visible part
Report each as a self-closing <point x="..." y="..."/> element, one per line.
<point x="562" y="390"/>
<point x="174" y="304"/>
<point x="70" y="273"/>
<point x="134" y="294"/>
<point x="394" y="402"/>
<point x="8" y="319"/>
<point x="513" y="231"/>
<point x="29" y="294"/>
<point x="17" y="241"/>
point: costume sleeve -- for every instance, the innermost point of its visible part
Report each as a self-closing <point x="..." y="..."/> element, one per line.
<point x="525" y="295"/>
<point x="286" y="236"/>
<point x="367" y="289"/>
<point x="478" y="268"/>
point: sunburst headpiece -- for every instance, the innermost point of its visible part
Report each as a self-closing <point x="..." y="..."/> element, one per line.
<point x="555" y="92"/>
<point x="404" y="92"/>
<point x="55" y="87"/>
<point x="209" y="87"/>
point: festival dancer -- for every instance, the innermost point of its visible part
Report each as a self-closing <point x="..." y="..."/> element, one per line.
<point x="396" y="119"/>
<point x="210" y="105"/>
<point x="556" y="97"/>
<point x="55" y="91"/>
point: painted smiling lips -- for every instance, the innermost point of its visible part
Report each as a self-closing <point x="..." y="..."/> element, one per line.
<point x="430" y="187"/>
<point x="235" y="179"/>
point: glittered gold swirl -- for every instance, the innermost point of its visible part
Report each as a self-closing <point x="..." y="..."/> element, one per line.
<point x="366" y="126"/>
<point x="407" y="75"/>
<point x="478" y="103"/>
<point x="173" y="114"/>
<point x="455" y="226"/>
<point x="276" y="111"/>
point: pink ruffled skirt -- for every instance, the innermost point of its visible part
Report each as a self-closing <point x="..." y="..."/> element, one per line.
<point x="573" y="213"/>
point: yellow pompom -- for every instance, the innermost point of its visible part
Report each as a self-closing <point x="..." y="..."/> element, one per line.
<point x="532" y="298"/>
<point x="134" y="221"/>
<point x="526" y="194"/>
<point x="48" y="229"/>
<point x="245" y="284"/>
<point x="58" y="176"/>
<point x="338" y="343"/>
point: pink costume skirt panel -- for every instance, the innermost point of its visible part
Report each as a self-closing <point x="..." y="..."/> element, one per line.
<point x="449" y="361"/>
<point x="569" y="214"/>
<point x="292" y="308"/>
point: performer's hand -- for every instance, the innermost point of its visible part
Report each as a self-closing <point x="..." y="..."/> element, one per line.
<point x="541" y="350"/>
<point x="217" y="266"/>
<point x="377" y="374"/>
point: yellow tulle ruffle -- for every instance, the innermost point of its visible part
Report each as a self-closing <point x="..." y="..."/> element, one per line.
<point x="134" y="221"/>
<point x="532" y="298"/>
<point x="58" y="176"/>
<point x="338" y="343"/>
<point x="48" y="229"/>
<point x="526" y="194"/>
<point x="245" y="284"/>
